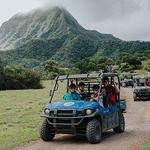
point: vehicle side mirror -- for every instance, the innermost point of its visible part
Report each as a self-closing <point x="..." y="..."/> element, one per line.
<point x="50" y="93"/>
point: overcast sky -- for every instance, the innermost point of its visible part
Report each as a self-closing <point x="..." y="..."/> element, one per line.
<point x="125" y="19"/>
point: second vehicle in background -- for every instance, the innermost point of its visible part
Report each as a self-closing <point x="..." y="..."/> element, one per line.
<point x="141" y="88"/>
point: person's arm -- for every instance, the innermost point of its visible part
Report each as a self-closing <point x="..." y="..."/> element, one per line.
<point x="116" y="88"/>
<point x="64" y="97"/>
<point x="95" y="98"/>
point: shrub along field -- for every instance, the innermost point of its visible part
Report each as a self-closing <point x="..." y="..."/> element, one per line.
<point x="20" y="115"/>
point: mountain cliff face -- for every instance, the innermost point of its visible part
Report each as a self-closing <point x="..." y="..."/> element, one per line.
<point x="45" y="25"/>
<point x="55" y="34"/>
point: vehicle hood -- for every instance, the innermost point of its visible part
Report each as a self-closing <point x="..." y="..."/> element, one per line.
<point x="78" y="105"/>
<point x="142" y="88"/>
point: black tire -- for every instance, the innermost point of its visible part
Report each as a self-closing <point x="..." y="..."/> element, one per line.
<point x="121" y="126"/>
<point x="134" y="97"/>
<point x="94" y="131"/>
<point x="45" y="132"/>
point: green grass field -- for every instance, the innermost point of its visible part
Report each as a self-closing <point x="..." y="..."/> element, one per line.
<point x="146" y="146"/>
<point x="20" y="114"/>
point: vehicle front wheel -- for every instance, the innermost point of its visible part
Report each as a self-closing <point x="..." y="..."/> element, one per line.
<point x="45" y="133"/>
<point x="121" y="126"/>
<point x="94" y="131"/>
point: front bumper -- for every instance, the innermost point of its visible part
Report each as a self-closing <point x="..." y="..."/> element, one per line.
<point x="142" y="96"/>
<point x="66" y="120"/>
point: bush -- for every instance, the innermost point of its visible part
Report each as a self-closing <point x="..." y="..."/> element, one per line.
<point x="1" y="76"/>
<point x="125" y="67"/>
<point x="147" y="67"/>
<point x="20" y="78"/>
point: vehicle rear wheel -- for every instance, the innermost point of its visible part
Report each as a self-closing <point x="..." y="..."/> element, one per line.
<point x="134" y="97"/>
<point x="121" y="126"/>
<point x="94" y="131"/>
<point x="45" y="133"/>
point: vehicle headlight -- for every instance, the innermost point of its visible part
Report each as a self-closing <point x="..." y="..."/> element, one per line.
<point x="46" y="111"/>
<point x="89" y="111"/>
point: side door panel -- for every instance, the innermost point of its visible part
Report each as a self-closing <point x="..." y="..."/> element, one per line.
<point x="105" y="120"/>
<point x="114" y="117"/>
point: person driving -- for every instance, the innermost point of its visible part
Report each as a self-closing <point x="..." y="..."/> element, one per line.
<point x="81" y="91"/>
<point x="109" y="92"/>
<point x="72" y="94"/>
<point x="147" y="82"/>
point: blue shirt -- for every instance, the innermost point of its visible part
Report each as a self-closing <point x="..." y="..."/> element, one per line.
<point x="72" y="96"/>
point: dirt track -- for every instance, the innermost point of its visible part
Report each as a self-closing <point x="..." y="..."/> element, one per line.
<point x="137" y="132"/>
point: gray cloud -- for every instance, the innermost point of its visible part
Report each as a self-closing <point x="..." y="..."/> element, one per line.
<point x="126" y="19"/>
<point x="98" y="9"/>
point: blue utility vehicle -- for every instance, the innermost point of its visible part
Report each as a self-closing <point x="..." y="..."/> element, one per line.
<point x="83" y="117"/>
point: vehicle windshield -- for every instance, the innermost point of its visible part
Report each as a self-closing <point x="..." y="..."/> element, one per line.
<point x="59" y="90"/>
<point x="142" y="82"/>
<point x="86" y="88"/>
<point x="63" y="87"/>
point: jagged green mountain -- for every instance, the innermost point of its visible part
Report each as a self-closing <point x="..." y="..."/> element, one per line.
<point x="55" y="34"/>
<point x="43" y="24"/>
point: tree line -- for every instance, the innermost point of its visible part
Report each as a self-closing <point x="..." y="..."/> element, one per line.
<point x="18" y="77"/>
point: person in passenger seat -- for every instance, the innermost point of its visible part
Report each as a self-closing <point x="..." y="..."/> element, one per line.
<point x="96" y="93"/>
<point x="147" y="82"/>
<point x="110" y="92"/>
<point x="81" y="90"/>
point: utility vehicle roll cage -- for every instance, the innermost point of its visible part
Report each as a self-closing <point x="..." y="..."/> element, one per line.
<point x="78" y="77"/>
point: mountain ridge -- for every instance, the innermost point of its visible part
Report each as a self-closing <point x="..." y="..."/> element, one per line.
<point x="42" y="24"/>
<point x="55" y="34"/>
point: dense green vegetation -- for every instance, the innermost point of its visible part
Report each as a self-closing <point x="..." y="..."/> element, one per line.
<point x="53" y="43"/>
<point x="17" y="77"/>
<point x="129" y="62"/>
<point x="87" y="65"/>
<point x="51" y="69"/>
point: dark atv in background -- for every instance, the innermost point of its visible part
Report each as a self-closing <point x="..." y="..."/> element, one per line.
<point x="82" y="117"/>
<point x="127" y="83"/>
<point x="141" y="88"/>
